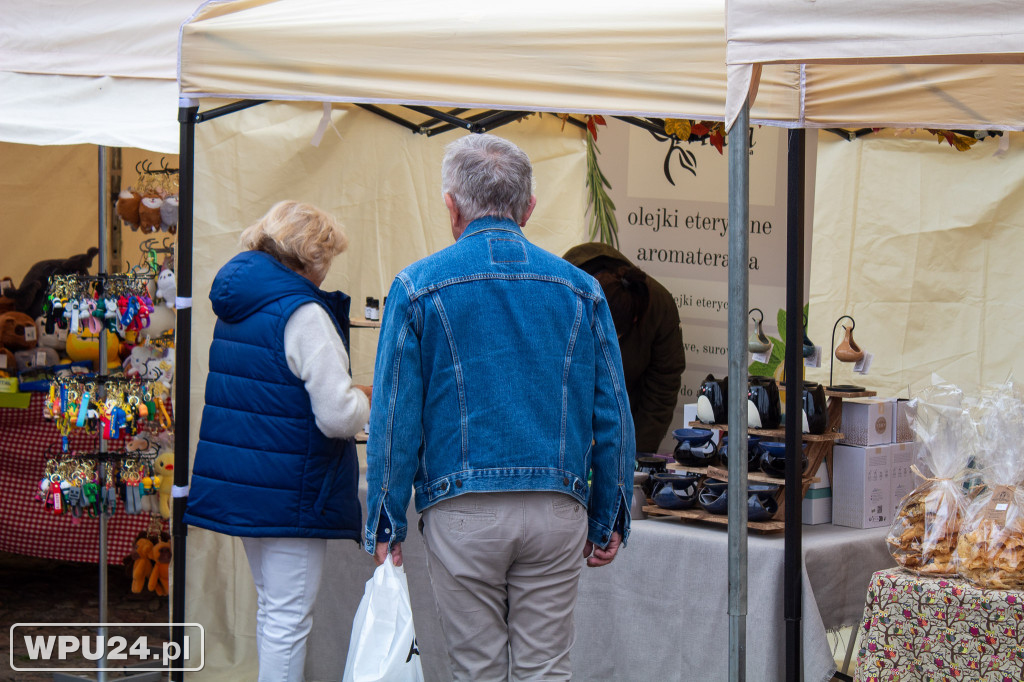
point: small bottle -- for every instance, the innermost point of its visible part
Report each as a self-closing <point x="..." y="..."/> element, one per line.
<point x="375" y="308"/>
<point x="368" y="311"/>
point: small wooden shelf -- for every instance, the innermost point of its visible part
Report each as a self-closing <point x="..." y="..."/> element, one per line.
<point x="849" y="394"/>
<point x="723" y="474"/>
<point x="363" y="322"/>
<point x="699" y="514"/>
<point x="773" y="433"/>
<point x="362" y="437"/>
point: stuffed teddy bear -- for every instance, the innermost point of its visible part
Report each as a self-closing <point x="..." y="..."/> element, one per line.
<point x="18" y="331"/>
<point x="37" y="358"/>
<point x="169" y="214"/>
<point x="29" y="297"/>
<point x="149" y="213"/>
<point x="160" y="553"/>
<point x="166" y="286"/>
<point x="8" y="363"/>
<point x="127" y="207"/>
<point x="163" y="466"/>
<point x="142" y="566"/>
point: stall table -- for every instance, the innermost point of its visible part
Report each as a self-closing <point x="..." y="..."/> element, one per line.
<point x="659" y="611"/>
<point x="25" y="527"/>
<point x="939" y="629"/>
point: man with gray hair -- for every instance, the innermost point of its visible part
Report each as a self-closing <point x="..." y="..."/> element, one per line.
<point x="499" y="397"/>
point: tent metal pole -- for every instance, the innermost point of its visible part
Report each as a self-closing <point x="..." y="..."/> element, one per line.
<point x="101" y="364"/>
<point x="739" y="276"/>
<point x="188" y="110"/>
<point x="793" y="553"/>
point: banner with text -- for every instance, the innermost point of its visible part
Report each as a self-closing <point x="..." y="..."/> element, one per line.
<point x="672" y="208"/>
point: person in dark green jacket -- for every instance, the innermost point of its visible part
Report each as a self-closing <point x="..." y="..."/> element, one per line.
<point x="650" y="338"/>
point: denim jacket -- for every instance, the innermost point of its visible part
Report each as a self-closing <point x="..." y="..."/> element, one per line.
<point x="498" y="369"/>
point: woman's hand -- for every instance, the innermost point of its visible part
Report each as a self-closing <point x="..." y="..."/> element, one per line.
<point x="368" y="390"/>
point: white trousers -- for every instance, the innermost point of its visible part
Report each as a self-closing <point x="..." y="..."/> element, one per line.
<point x="287" y="573"/>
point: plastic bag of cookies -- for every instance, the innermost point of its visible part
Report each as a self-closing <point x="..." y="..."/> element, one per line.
<point x="990" y="550"/>
<point x="926" y="526"/>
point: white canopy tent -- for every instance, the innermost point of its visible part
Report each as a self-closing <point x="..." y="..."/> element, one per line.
<point x="657" y="58"/>
<point x="94" y="72"/>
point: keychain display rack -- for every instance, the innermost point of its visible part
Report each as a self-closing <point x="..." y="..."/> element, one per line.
<point x="76" y="301"/>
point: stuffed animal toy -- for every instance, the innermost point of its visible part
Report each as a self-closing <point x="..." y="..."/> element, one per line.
<point x="127" y="207"/>
<point x="36" y="358"/>
<point x="149" y="213"/>
<point x="166" y="286"/>
<point x="169" y="214"/>
<point x="58" y="340"/>
<point x="86" y="346"/>
<point x="160" y="553"/>
<point x="142" y="566"/>
<point x="8" y="363"/>
<point x="18" y="331"/>
<point x="30" y="295"/>
<point x="163" y="466"/>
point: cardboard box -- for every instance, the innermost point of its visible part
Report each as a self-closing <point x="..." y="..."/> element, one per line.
<point x="817" y="506"/>
<point x="817" y="503"/>
<point x="901" y="431"/>
<point x="902" y="456"/>
<point x="867" y="421"/>
<point x="861" y="486"/>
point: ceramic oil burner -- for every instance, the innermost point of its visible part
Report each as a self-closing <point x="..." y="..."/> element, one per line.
<point x="815" y="412"/>
<point x="753" y="452"/>
<point x="773" y="459"/>
<point x="649" y="465"/>
<point x="676" y="490"/>
<point x="848" y="350"/>
<point x="694" y="447"/>
<point x="761" y="503"/>
<point x="764" y="409"/>
<point x="712" y="496"/>
<point x="712" y="400"/>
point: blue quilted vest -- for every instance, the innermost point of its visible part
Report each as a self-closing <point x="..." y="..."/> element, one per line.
<point x="262" y="467"/>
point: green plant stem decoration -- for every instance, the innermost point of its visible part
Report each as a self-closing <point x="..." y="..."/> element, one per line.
<point x="603" y="226"/>
<point x="774" y="366"/>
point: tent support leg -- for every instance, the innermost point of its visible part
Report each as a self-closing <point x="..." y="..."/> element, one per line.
<point x="793" y="553"/>
<point x="187" y="116"/>
<point x="739" y="276"/>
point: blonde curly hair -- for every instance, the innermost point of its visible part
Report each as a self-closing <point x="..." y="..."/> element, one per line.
<point x="298" y="235"/>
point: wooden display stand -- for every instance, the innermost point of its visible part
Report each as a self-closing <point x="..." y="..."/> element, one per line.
<point x="819" y="449"/>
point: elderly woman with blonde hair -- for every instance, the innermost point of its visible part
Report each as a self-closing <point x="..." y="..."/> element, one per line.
<point x="276" y="463"/>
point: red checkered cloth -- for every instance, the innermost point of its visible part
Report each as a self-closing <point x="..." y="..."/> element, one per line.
<point x="25" y="525"/>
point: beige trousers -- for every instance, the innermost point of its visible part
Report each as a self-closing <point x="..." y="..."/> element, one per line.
<point x="505" y="570"/>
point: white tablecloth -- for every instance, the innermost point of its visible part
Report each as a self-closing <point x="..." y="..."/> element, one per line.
<point x="659" y="611"/>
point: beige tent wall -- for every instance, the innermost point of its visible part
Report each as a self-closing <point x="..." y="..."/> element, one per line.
<point x="921" y="244"/>
<point x="383" y="182"/>
<point x="50" y="200"/>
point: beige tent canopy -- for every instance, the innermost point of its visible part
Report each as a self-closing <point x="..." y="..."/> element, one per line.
<point x="916" y="63"/>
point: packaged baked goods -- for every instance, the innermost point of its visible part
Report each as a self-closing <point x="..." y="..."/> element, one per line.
<point x="990" y="550"/>
<point x="926" y="526"/>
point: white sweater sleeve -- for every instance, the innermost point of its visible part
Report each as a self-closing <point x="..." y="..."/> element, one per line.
<point x="316" y="356"/>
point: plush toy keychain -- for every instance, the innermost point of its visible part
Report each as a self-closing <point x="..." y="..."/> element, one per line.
<point x="127" y="207"/>
<point x="169" y="214"/>
<point x="149" y="213"/>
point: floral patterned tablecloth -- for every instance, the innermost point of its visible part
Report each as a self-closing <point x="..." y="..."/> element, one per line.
<point x="939" y="630"/>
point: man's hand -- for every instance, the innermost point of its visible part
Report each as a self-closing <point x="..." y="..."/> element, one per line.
<point x="367" y="390"/>
<point x="380" y="553"/>
<point x="600" y="557"/>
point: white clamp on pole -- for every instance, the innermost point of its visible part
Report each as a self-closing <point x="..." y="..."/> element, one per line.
<point x="181" y="303"/>
<point x="179" y="490"/>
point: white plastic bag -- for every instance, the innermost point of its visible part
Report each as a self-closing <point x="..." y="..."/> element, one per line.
<point x="383" y="643"/>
